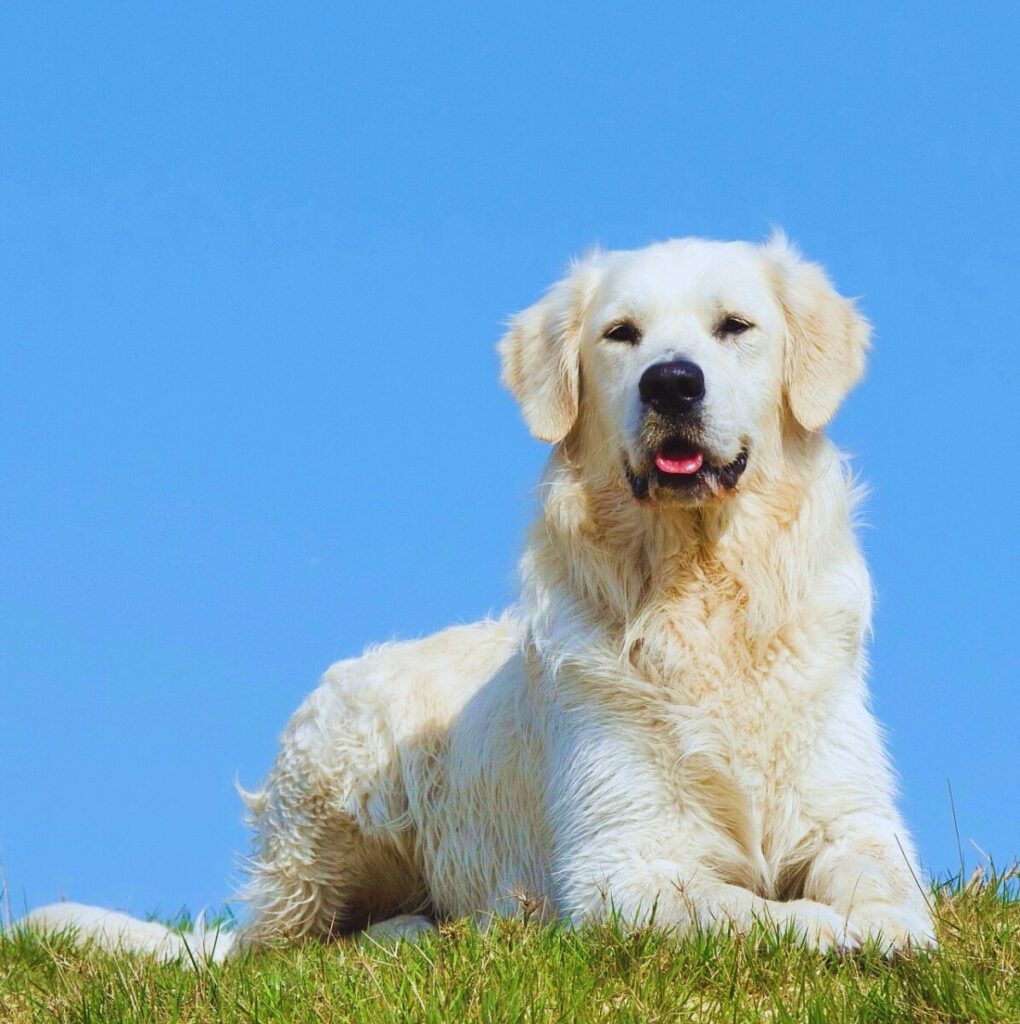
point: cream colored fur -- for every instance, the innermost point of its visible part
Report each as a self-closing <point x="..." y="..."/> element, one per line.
<point x="673" y="724"/>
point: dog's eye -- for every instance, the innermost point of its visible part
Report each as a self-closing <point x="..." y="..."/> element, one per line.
<point x="731" y="326"/>
<point x="625" y="332"/>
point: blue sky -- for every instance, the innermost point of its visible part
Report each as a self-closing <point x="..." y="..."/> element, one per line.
<point x="253" y="262"/>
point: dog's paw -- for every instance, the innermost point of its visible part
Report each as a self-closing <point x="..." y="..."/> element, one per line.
<point x="395" y="930"/>
<point x="818" y="926"/>
<point x="893" y="927"/>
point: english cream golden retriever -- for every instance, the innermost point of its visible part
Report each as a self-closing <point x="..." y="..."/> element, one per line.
<point x="672" y="726"/>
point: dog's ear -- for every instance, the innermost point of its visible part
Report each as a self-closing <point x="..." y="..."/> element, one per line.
<point x="541" y="353"/>
<point x="827" y="338"/>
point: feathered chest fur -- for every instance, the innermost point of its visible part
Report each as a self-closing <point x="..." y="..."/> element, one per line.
<point x="739" y="714"/>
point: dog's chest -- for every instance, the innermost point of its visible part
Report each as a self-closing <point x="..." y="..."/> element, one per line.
<point x="744" y="714"/>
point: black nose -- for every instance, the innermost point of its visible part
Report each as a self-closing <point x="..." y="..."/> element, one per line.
<point x="672" y="387"/>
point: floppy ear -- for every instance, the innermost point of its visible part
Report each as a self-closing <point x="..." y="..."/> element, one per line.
<point x="541" y="354"/>
<point x="826" y="342"/>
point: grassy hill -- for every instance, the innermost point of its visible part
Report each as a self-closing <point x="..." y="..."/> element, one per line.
<point x="517" y="972"/>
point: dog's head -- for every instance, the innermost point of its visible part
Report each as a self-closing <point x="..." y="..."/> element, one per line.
<point x="677" y="366"/>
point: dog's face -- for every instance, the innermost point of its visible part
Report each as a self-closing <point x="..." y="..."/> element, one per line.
<point x="680" y="357"/>
<point x="677" y="365"/>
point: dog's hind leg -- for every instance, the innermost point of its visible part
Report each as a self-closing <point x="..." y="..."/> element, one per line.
<point x="335" y="844"/>
<point x="318" y="873"/>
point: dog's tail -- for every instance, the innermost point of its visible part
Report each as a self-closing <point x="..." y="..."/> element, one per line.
<point x="118" y="933"/>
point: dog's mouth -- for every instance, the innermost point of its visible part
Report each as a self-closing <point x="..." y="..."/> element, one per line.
<point x="686" y="470"/>
<point x="679" y="459"/>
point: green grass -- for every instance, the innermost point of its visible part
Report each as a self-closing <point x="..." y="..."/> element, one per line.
<point x="521" y="972"/>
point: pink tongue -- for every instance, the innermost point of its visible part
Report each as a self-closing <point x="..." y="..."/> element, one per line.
<point x="686" y="464"/>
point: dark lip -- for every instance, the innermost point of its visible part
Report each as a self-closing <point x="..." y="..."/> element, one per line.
<point x="727" y="477"/>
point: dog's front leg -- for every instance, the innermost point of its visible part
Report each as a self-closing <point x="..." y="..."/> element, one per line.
<point x="867" y="873"/>
<point x="865" y="868"/>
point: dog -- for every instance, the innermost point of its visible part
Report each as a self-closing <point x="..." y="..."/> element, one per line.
<point x="672" y="727"/>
